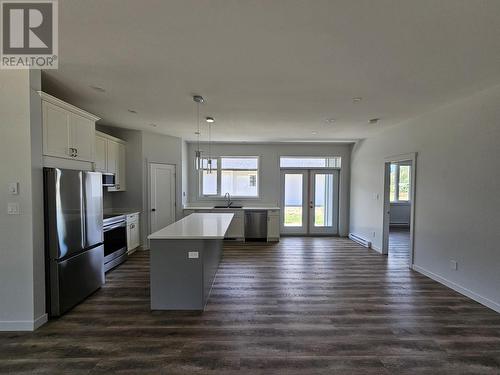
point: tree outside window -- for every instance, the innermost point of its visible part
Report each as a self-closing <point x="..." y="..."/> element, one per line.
<point x="400" y="183"/>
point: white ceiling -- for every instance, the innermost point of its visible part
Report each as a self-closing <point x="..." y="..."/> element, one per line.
<point x="273" y="70"/>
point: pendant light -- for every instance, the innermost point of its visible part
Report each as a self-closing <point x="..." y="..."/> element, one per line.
<point x="210" y="121"/>
<point x="198" y="160"/>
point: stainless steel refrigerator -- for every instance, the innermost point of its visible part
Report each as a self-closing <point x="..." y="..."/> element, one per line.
<point x="73" y="237"/>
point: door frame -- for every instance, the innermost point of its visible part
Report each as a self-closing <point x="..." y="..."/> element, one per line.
<point x="150" y="188"/>
<point x="307" y="198"/>
<point x="412" y="157"/>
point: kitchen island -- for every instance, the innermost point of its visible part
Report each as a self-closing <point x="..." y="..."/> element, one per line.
<point x="184" y="258"/>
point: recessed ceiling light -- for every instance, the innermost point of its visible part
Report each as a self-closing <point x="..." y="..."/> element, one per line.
<point x="98" y="88"/>
<point x="357" y="99"/>
<point x="132" y="111"/>
<point x="373" y="121"/>
<point x="330" y="120"/>
<point x="210" y="119"/>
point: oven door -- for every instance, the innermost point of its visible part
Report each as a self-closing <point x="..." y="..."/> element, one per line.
<point x="115" y="241"/>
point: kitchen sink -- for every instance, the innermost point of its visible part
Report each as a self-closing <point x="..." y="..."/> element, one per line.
<point x="231" y="206"/>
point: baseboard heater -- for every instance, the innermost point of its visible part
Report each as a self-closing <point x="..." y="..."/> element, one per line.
<point x="360" y="240"/>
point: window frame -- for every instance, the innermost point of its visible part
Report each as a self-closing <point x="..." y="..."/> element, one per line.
<point x="219" y="195"/>
<point x="310" y="157"/>
<point x="396" y="183"/>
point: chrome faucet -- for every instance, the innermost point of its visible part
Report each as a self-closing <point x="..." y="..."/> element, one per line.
<point x="227" y="196"/>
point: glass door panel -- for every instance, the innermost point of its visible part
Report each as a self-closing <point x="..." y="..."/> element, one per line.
<point x="323" y="202"/>
<point x="294" y="204"/>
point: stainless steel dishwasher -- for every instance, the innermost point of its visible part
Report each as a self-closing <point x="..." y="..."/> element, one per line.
<point x="256" y="225"/>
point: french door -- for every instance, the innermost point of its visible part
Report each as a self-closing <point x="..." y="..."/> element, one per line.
<point x="310" y="201"/>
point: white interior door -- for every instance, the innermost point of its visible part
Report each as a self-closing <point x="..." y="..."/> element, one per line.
<point x="309" y="201"/>
<point x="162" y="196"/>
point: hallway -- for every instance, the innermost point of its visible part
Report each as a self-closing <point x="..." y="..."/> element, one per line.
<point x="399" y="244"/>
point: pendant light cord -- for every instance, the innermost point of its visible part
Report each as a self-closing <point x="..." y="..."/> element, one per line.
<point x="198" y="119"/>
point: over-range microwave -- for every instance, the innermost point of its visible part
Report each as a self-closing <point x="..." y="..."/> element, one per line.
<point x="108" y="179"/>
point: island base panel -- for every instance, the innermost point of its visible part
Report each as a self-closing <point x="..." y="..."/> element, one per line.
<point x="179" y="282"/>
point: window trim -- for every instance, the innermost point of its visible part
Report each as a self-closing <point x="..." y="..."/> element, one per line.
<point x="219" y="195"/>
<point x="397" y="201"/>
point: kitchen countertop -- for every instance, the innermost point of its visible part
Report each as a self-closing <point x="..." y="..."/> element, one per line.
<point x="247" y="208"/>
<point x="203" y="226"/>
<point x="120" y="211"/>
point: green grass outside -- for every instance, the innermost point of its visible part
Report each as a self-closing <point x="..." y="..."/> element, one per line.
<point x="293" y="216"/>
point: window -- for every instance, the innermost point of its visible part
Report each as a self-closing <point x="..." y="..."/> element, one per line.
<point x="400" y="183"/>
<point x="236" y="175"/>
<point x="310" y="162"/>
<point x="209" y="180"/>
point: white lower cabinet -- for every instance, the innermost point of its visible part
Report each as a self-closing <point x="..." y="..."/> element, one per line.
<point x="133" y="233"/>
<point x="273" y="225"/>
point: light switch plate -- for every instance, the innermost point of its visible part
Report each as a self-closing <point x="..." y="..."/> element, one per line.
<point x="13" y="208"/>
<point x="14" y="188"/>
<point x="193" y="255"/>
<point x="454" y="265"/>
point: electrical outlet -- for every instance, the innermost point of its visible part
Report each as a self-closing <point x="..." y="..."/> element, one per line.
<point x="193" y="254"/>
<point x="13" y="208"/>
<point x="454" y="265"/>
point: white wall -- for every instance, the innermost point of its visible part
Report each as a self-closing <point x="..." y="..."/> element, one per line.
<point x="22" y="276"/>
<point x="269" y="177"/>
<point x="457" y="191"/>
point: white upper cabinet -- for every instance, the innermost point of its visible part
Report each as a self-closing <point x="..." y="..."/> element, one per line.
<point x="68" y="132"/>
<point x="111" y="158"/>
<point x="121" y="181"/>
<point x="82" y="131"/>
<point x="101" y="148"/>
<point x="56" y="134"/>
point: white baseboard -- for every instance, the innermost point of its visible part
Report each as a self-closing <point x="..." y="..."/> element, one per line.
<point x="458" y="288"/>
<point x="23" y="325"/>
<point x="376" y="248"/>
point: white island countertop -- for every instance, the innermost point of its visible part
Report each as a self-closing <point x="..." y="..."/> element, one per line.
<point x="197" y="226"/>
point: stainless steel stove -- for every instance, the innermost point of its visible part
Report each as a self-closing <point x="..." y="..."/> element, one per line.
<point x="115" y="240"/>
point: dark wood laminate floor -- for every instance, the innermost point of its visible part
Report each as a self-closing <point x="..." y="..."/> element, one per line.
<point x="399" y="244"/>
<point x="303" y="306"/>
